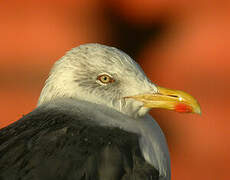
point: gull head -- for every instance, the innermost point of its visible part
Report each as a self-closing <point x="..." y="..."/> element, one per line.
<point x="106" y="75"/>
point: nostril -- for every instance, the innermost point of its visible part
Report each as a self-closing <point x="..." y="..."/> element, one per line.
<point x="175" y="96"/>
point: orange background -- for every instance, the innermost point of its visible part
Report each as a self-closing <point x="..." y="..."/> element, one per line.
<point x="180" y="44"/>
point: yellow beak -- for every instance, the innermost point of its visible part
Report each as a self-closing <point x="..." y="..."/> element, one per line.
<point x="176" y="100"/>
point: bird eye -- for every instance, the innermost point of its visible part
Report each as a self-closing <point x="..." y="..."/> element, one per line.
<point x="105" y="79"/>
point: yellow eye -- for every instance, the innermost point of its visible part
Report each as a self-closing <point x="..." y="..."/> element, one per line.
<point x="105" y="79"/>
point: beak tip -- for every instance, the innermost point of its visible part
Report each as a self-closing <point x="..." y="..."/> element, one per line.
<point x="198" y="110"/>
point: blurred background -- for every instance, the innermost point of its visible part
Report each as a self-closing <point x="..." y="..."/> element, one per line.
<point x="180" y="44"/>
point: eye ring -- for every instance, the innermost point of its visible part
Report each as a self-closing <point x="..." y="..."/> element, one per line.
<point x="105" y="79"/>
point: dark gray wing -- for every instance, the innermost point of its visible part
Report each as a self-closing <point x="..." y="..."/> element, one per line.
<point x="52" y="145"/>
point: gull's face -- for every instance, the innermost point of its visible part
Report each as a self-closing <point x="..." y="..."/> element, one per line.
<point x="108" y="76"/>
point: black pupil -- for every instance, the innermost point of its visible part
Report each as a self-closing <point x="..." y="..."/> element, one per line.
<point x="105" y="78"/>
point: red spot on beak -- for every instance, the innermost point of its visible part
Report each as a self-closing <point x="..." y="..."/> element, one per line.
<point x="183" y="108"/>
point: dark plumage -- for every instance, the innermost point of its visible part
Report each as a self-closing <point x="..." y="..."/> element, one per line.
<point x="49" y="144"/>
